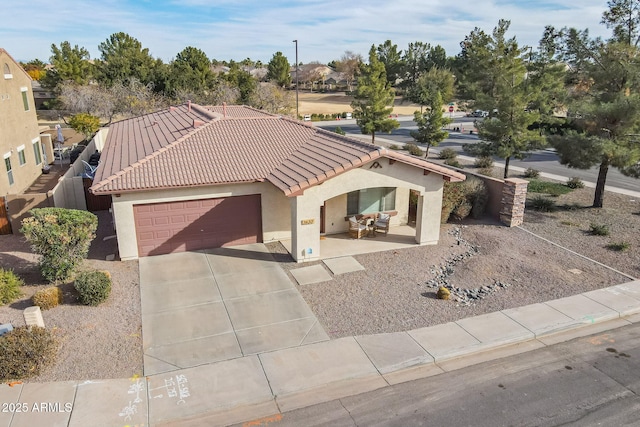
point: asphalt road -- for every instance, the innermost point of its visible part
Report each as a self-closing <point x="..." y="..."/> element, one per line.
<point x="591" y="381"/>
<point x="542" y="160"/>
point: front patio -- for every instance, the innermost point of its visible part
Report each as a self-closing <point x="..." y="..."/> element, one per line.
<point x="337" y="245"/>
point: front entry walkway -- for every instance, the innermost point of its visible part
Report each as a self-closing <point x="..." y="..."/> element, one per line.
<point x="219" y="304"/>
<point x="338" y="245"/>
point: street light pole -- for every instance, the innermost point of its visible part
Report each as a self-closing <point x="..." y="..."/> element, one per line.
<point x="297" y="112"/>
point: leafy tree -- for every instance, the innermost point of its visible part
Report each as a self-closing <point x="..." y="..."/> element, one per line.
<point x="123" y="58"/>
<point x="190" y="70"/>
<point x="61" y="237"/>
<point x="436" y="80"/>
<point x="624" y="17"/>
<point x="274" y="99"/>
<point x="605" y="87"/>
<point x="85" y="124"/>
<point x="389" y="55"/>
<point x="437" y="58"/>
<point x="70" y="64"/>
<point x="372" y="99"/>
<point x="279" y="70"/>
<point x="35" y="68"/>
<point x="505" y="91"/>
<point x="415" y="61"/>
<point x="241" y="79"/>
<point x="430" y="124"/>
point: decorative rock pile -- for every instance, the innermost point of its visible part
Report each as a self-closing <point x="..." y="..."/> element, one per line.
<point x="442" y="272"/>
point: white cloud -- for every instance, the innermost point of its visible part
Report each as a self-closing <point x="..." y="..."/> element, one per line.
<point x="232" y="29"/>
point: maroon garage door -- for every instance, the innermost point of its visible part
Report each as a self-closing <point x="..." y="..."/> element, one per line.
<point x="162" y="228"/>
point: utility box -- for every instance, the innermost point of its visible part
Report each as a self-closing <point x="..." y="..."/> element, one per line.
<point x="33" y="316"/>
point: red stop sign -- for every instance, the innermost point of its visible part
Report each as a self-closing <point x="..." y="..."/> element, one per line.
<point x="451" y="109"/>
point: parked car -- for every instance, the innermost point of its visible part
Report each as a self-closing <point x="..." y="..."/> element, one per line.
<point x="480" y="113"/>
<point x="307" y="117"/>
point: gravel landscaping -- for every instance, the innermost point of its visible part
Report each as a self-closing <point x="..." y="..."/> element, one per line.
<point x="512" y="267"/>
<point x="493" y="268"/>
<point x="95" y="342"/>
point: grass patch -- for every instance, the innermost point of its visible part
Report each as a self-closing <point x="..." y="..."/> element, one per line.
<point x="619" y="246"/>
<point x="546" y="187"/>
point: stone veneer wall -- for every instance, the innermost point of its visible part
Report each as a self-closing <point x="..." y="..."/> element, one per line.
<point x="514" y="196"/>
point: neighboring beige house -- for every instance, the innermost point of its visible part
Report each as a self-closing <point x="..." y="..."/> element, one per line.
<point x="192" y="177"/>
<point x="22" y="152"/>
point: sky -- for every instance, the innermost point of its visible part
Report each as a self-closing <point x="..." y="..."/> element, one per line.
<point x="239" y="29"/>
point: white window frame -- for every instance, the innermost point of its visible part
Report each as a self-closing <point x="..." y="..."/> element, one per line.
<point x="22" y="158"/>
<point x="25" y="98"/>
<point x="9" y="75"/>
<point x="37" y="150"/>
<point x="10" y="170"/>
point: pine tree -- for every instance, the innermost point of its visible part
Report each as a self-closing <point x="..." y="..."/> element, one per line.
<point x="430" y="124"/>
<point x="278" y="70"/>
<point x="372" y="99"/>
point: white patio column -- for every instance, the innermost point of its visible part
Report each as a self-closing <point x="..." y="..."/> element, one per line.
<point x="428" y="217"/>
<point x="305" y="229"/>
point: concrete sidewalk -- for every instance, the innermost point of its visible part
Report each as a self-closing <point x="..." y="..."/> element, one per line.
<point x="264" y="385"/>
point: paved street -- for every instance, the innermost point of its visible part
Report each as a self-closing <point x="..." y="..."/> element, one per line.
<point x="590" y="381"/>
<point x="543" y="160"/>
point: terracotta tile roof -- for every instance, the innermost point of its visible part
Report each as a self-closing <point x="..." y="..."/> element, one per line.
<point x="196" y="146"/>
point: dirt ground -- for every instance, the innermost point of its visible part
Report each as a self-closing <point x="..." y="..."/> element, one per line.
<point x="331" y="103"/>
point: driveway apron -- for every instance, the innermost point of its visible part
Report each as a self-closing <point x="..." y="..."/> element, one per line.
<point x="219" y="304"/>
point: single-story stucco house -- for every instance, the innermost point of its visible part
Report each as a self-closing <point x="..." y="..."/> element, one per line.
<point x="193" y="177"/>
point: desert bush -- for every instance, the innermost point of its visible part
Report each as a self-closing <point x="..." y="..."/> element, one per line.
<point x="542" y="204"/>
<point x="462" y="199"/>
<point x="599" y="229"/>
<point x="486" y="171"/>
<point x="531" y="173"/>
<point x="453" y="162"/>
<point x="443" y="293"/>
<point x="339" y="131"/>
<point x="619" y="246"/>
<point x="61" y="237"/>
<point x="9" y="286"/>
<point x="47" y="298"/>
<point x="394" y="147"/>
<point x="93" y="286"/>
<point x="484" y="162"/>
<point x="25" y="352"/>
<point x="413" y="149"/>
<point x="575" y="182"/>
<point x="448" y="153"/>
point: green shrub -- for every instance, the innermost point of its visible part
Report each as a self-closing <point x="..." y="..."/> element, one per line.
<point x="25" y="352"/>
<point x="9" y="286"/>
<point x="575" y="182"/>
<point x="479" y="194"/>
<point x="542" y="204"/>
<point x="546" y="187"/>
<point x="394" y="147"/>
<point x="453" y="162"/>
<point x="484" y="162"/>
<point x="599" y="229"/>
<point x="413" y="149"/>
<point x="619" y="246"/>
<point x="448" y="153"/>
<point x="61" y="237"/>
<point x="339" y="131"/>
<point x="93" y="287"/>
<point x="47" y="298"/>
<point x="463" y="210"/>
<point x="531" y="173"/>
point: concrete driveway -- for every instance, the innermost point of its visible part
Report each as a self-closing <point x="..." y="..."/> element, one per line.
<point x="218" y="304"/>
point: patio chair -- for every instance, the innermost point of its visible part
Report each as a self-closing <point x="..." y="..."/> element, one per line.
<point x="382" y="223"/>
<point x="356" y="229"/>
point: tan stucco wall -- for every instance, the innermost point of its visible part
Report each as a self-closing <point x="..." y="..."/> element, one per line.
<point x="275" y="210"/>
<point x="305" y="245"/>
<point x="17" y="127"/>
